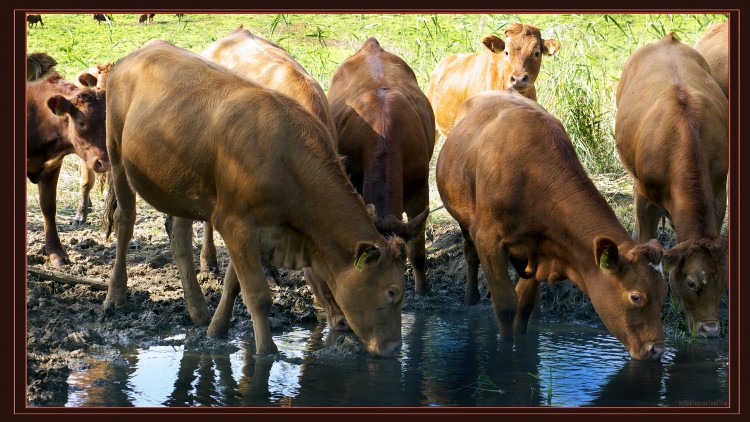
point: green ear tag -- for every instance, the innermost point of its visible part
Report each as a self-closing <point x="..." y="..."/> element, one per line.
<point x="604" y="260"/>
<point x="360" y="264"/>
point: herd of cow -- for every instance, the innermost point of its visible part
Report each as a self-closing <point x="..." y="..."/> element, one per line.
<point x="243" y="138"/>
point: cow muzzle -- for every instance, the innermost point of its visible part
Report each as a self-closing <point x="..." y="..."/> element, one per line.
<point x="386" y="349"/>
<point x="520" y="82"/>
<point x="707" y="329"/>
<point x="651" y="351"/>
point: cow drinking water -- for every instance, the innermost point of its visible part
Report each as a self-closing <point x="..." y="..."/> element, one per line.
<point x="199" y="142"/>
<point x="509" y="175"/>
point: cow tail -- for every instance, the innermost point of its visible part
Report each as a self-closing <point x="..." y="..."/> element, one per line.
<point x="110" y="205"/>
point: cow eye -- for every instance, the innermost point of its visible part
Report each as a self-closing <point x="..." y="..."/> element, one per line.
<point x="635" y="297"/>
<point x="507" y="53"/>
<point x="536" y="54"/>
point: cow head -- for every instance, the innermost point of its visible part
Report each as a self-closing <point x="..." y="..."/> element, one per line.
<point x="698" y="277"/>
<point x="628" y="291"/>
<point x="85" y="125"/>
<point x="521" y="49"/>
<point x="370" y="293"/>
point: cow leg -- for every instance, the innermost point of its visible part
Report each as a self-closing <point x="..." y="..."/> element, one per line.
<point x="243" y="244"/>
<point x="124" y="224"/>
<point x="88" y="178"/>
<point x="219" y="326"/>
<point x="527" y="291"/>
<point x="209" y="263"/>
<point x="182" y="251"/>
<point x="416" y="254"/>
<point x="494" y="260"/>
<point x="48" y="204"/>
<point x="324" y="297"/>
<point x="647" y="215"/>
<point x="471" y="292"/>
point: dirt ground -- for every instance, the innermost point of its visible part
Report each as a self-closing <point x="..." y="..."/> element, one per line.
<point x="66" y="323"/>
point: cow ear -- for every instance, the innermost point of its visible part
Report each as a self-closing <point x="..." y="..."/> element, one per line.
<point x="59" y="105"/>
<point x="87" y="79"/>
<point x="673" y="257"/>
<point x="415" y="225"/>
<point x="494" y="43"/>
<point x="551" y="47"/>
<point x="606" y="254"/>
<point x="365" y="253"/>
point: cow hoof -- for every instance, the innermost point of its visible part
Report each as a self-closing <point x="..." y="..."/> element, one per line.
<point x="471" y="298"/>
<point x="58" y="262"/>
<point x="210" y="269"/>
<point x="272" y="282"/>
<point x="217" y="330"/>
<point x="202" y="319"/>
<point x="266" y="350"/>
<point x="422" y="291"/>
<point x="79" y="220"/>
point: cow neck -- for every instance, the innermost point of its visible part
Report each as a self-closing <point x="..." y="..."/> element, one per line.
<point x="576" y="227"/>
<point x="692" y="208"/>
<point x="335" y="229"/>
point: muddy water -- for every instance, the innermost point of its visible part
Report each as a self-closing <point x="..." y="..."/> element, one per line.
<point x="447" y="360"/>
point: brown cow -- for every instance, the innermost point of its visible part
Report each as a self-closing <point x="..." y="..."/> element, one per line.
<point x="33" y="20"/>
<point x="93" y="77"/>
<point x="146" y="17"/>
<point x="509" y="175"/>
<point x="198" y="142"/>
<point x="61" y="118"/>
<point x="100" y="17"/>
<point x="269" y="65"/>
<point x="386" y="134"/>
<point x="714" y="47"/>
<point x="513" y="61"/>
<point x="671" y="131"/>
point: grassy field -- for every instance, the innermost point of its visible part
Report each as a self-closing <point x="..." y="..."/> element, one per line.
<point x="577" y="85"/>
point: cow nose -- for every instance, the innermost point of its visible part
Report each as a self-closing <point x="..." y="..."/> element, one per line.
<point x="519" y="80"/>
<point x="100" y="166"/>
<point x="655" y="350"/>
<point x="709" y="329"/>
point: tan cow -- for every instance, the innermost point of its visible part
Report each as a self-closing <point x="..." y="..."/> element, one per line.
<point x="671" y="131"/>
<point x="94" y="77"/>
<point x="269" y="65"/>
<point x="509" y="175"/>
<point x="386" y="134"/>
<point x="61" y="119"/>
<point x="198" y="142"/>
<point x="714" y="47"/>
<point x="509" y="62"/>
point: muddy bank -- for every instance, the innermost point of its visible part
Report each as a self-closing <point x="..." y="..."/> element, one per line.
<point x="66" y="323"/>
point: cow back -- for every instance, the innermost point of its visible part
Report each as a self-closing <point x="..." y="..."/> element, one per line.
<point x="271" y="66"/>
<point x="714" y="47"/>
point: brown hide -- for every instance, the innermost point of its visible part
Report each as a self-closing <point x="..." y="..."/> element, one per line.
<point x="33" y="20"/>
<point x="509" y="175"/>
<point x="60" y="119"/>
<point x="93" y="77"/>
<point x="511" y="62"/>
<point x="386" y="134"/>
<point x="714" y="47"/>
<point x="269" y="65"/>
<point x="198" y="142"/>
<point x="671" y="131"/>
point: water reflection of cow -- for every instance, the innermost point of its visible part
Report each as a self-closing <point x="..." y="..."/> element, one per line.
<point x="695" y="373"/>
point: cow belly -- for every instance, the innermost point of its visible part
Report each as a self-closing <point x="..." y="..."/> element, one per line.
<point x="179" y="196"/>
